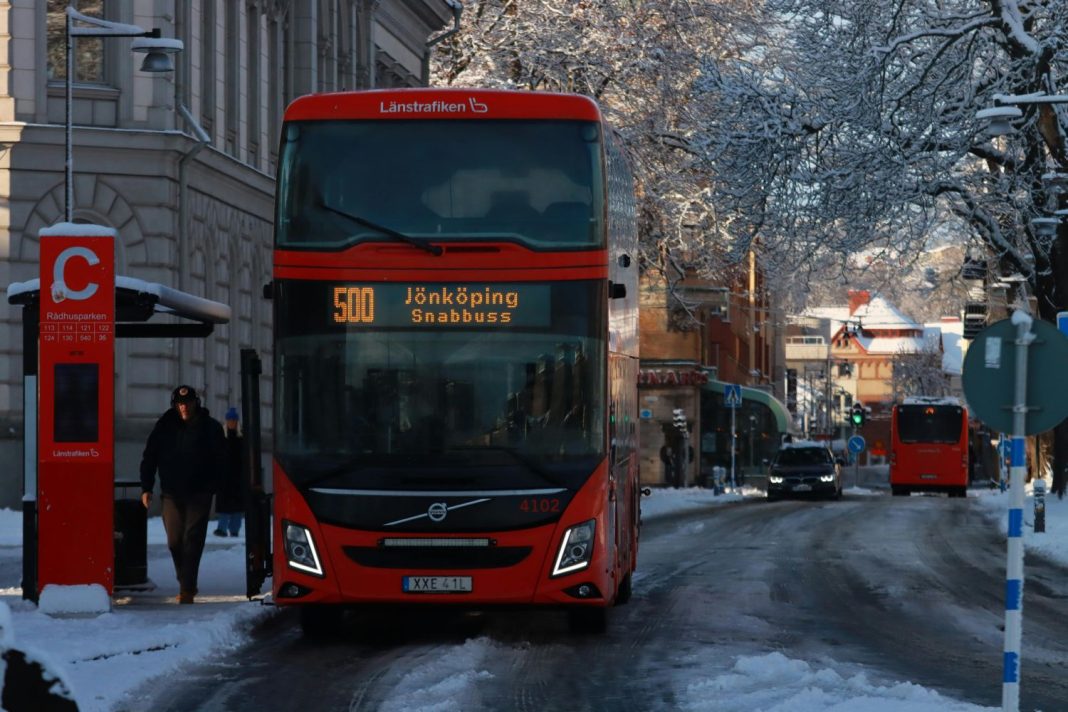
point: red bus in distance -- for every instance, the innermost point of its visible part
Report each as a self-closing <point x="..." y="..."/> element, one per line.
<point x="929" y="447"/>
<point x="455" y="355"/>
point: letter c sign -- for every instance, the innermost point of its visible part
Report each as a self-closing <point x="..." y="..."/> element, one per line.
<point x="59" y="285"/>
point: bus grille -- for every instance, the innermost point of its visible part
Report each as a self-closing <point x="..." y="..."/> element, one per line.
<point x="434" y="557"/>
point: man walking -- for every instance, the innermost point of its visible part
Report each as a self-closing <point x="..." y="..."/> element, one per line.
<point x="187" y="448"/>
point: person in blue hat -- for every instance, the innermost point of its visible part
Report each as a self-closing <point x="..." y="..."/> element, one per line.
<point x="229" y="502"/>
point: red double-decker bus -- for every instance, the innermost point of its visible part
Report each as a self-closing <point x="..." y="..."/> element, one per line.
<point x="455" y="354"/>
<point x="929" y="447"/>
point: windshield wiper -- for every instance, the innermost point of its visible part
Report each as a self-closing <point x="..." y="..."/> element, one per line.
<point x="430" y="247"/>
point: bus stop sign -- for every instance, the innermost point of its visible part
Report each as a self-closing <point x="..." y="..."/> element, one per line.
<point x="989" y="377"/>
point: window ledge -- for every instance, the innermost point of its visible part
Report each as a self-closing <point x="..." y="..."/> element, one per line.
<point x="58" y="88"/>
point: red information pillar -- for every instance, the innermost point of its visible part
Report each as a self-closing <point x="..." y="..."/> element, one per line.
<point x="76" y="372"/>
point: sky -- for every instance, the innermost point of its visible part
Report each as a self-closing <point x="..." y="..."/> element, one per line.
<point x="103" y="657"/>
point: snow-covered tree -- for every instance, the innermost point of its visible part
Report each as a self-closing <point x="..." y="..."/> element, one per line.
<point x="639" y="60"/>
<point x="918" y="373"/>
<point x="863" y="133"/>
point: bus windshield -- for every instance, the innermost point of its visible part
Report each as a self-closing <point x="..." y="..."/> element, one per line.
<point x="364" y="386"/>
<point x="920" y="423"/>
<point x="538" y="182"/>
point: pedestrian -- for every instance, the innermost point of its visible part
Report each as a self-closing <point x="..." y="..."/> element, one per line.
<point x="187" y="448"/>
<point x="229" y="502"/>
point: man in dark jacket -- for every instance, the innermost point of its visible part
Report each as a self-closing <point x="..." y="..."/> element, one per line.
<point x="187" y="448"/>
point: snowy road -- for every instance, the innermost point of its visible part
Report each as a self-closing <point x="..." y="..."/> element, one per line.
<point x="894" y="588"/>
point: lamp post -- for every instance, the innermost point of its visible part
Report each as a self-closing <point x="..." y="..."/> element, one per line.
<point x="157" y="59"/>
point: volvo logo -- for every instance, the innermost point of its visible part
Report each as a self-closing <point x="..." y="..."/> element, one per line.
<point x="437" y="511"/>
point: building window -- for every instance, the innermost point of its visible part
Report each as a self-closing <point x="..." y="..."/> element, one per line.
<point x="207" y="64"/>
<point x="88" y="51"/>
<point x="274" y="84"/>
<point x="233" y="77"/>
<point x="182" y="60"/>
<point x="254" y="107"/>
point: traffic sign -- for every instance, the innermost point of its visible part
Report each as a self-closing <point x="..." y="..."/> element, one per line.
<point x="645" y="413"/>
<point x="989" y="377"/>
<point x="732" y="395"/>
<point x="856" y="444"/>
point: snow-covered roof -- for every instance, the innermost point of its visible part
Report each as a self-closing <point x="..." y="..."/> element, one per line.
<point x="893" y="344"/>
<point x="803" y="444"/>
<point x="950" y="334"/>
<point x="878" y="314"/>
<point x="168" y="301"/>
<point x="931" y="400"/>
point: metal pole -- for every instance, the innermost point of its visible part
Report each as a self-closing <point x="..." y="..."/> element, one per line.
<point x="856" y="463"/>
<point x="68" y="178"/>
<point x="734" y="437"/>
<point x="1014" y="574"/>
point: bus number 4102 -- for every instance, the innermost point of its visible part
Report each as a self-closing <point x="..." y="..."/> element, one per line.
<point x="540" y="505"/>
<point x="354" y="305"/>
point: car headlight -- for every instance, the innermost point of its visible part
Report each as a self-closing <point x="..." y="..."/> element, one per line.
<point x="827" y="478"/>
<point x="775" y="479"/>
<point x="300" y="549"/>
<point x="576" y="549"/>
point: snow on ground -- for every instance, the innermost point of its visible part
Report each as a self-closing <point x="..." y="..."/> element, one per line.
<point x="148" y="635"/>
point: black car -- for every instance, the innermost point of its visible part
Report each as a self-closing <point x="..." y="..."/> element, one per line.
<point x="805" y="469"/>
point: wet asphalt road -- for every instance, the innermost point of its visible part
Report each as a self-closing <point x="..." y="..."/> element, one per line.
<point x="905" y="589"/>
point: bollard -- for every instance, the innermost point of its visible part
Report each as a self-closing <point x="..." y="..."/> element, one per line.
<point x="1040" y="505"/>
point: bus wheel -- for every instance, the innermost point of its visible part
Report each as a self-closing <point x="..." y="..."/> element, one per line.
<point x="624" y="591"/>
<point x="587" y="619"/>
<point x="320" y="621"/>
<point x="958" y="492"/>
<point x="899" y="491"/>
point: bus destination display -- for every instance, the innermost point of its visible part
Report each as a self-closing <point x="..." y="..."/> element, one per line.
<point x="441" y="305"/>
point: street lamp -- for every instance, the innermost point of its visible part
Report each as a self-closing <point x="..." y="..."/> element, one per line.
<point x="1006" y="109"/>
<point x="158" y="51"/>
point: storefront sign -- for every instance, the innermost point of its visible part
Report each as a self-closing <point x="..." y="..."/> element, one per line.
<point x="671" y="377"/>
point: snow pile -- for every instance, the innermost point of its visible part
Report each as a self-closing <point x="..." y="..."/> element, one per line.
<point x="85" y="599"/>
<point x="776" y="683"/>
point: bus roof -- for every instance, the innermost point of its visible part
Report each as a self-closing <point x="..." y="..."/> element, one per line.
<point x="931" y="400"/>
<point x="435" y="103"/>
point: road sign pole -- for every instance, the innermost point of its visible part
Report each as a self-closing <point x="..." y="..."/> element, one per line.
<point x="733" y="443"/>
<point x="1014" y="573"/>
<point x="856" y="466"/>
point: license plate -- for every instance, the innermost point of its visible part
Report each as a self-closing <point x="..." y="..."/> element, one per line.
<point x="436" y="584"/>
<point x="802" y="488"/>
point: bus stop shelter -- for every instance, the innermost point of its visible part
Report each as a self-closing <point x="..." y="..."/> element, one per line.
<point x="136" y="303"/>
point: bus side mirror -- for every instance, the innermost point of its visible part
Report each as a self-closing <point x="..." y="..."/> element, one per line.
<point x="647" y="492"/>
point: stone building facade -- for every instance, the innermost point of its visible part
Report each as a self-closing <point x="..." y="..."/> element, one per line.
<point x="181" y="164"/>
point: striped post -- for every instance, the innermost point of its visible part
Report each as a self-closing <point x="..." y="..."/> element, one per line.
<point x="1014" y="575"/>
<point x="1014" y="571"/>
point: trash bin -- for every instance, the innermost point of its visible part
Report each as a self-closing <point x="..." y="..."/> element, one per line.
<point x="131" y="536"/>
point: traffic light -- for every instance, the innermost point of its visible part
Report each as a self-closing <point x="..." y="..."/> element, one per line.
<point x="857" y="415"/>
<point x="678" y="418"/>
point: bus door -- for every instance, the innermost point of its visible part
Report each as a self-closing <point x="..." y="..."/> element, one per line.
<point x="257" y="499"/>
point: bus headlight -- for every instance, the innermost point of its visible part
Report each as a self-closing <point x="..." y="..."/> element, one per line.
<point x="300" y="549"/>
<point x="576" y="549"/>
